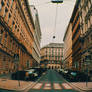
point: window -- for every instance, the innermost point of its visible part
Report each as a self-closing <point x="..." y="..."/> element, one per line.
<point x="91" y="37"/>
<point x="1" y="34"/>
<point x="9" y="15"/>
<point x="12" y="3"/>
<point x="56" y="57"/>
<point x="52" y="62"/>
<point x="13" y="22"/>
<point x="8" y="4"/>
<point x="15" y="26"/>
<point x="5" y="39"/>
<point x="28" y="64"/>
<point x="49" y="62"/>
<point x="2" y="3"/>
<point x="0" y="6"/>
<point x="17" y="30"/>
<point x="10" y="43"/>
<point x="88" y="40"/>
<point x="6" y="10"/>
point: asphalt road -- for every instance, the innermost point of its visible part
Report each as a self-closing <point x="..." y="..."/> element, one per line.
<point x="52" y="81"/>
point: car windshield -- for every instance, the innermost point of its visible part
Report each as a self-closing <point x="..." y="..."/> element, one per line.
<point x="73" y="73"/>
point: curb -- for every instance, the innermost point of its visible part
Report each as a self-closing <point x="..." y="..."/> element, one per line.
<point x="15" y="89"/>
<point x="86" y="89"/>
<point x="26" y="89"/>
<point x="72" y="85"/>
<point x="29" y="86"/>
<point x="80" y="89"/>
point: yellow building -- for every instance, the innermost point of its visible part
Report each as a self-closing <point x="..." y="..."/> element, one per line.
<point x="37" y="36"/>
<point x="76" y="43"/>
<point x="52" y="56"/>
<point x="67" y="57"/>
<point x="85" y="9"/>
<point x="16" y="35"/>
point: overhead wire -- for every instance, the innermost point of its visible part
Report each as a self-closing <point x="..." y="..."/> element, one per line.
<point x="56" y="14"/>
<point x="55" y="23"/>
<point x="41" y="4"/>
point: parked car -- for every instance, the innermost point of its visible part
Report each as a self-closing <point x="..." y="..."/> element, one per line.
<point x="90" y="73"/>
<point x="24" y="75"/>
<point x="77" y="76"/>
<point x="32" y="74"/>
<point x="19" y="75"/>
<point x="39" y="70"/>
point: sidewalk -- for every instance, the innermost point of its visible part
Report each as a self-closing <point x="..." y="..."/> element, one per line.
<point x="14" y="84"/>
<point x="82" y="85"/>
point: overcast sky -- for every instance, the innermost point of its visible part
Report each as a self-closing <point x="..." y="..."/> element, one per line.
<point x="47" y="12"/>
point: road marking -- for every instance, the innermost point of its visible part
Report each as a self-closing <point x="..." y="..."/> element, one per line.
<point x="47" y="86"/>
<point x="37" y="86"/>
<point x="56" y="86"/>
<point x="66" y="86"/>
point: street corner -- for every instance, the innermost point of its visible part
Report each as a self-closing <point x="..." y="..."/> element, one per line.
<point x="14" y="84"/>
<point x="84" y="86"/>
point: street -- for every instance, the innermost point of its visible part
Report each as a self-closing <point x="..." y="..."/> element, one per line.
<point x="45" y="45"/>
<point x="52" y="82"/>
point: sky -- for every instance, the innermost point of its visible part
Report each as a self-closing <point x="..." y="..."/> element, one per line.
<point x="47" y="13"/>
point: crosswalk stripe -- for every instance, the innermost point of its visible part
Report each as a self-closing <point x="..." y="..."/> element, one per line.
<point x="37" y="86"/>
<point x="66" y="86"/>
<point x="47" y="86"/>
<point x="57" y="86"/>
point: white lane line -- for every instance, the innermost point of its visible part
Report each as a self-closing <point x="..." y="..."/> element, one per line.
<point x="66" y="86"/>
<point x="47" y="86"/>
<point x="57" y="86"/>
<point x="37" y="86"/>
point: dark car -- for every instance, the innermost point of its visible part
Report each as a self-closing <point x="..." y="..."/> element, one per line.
<point x="24" y="75"/>
<point x="77" y="76"/>
<point x="39" y="70"/>
<point x="19" y="75"/>
<point x="31" y="74"/>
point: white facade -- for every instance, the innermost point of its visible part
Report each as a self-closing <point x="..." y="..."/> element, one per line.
<point x="37" y="35"/>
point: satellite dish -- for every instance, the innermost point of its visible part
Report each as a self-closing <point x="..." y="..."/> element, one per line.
<point x="57" y="1"/>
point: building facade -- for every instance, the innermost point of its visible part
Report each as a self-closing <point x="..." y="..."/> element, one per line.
<point x="67" y="56"/>
<point x="37" y="36"/>
<point x="52" y="56"/>
<point x="85" y="9"/>
<point x="76" y="43"/>
<point x="16" y="35"/>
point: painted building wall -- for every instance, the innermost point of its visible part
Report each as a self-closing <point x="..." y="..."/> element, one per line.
<point x="85" y="8"/>
<point x="52" y="55"/>
<point x="67" y="62"/>
<point x="16" y="35"/>
<point x="37" y="35"/>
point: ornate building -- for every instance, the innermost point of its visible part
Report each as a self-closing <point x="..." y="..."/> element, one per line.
<point x="52" y="56"/>
<point x="85" y="9"/>
<point x="76" y="43"/>
<point x="37" y="36"/>
<point x="67" y="57"/>
<point x="16" y="35"/>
